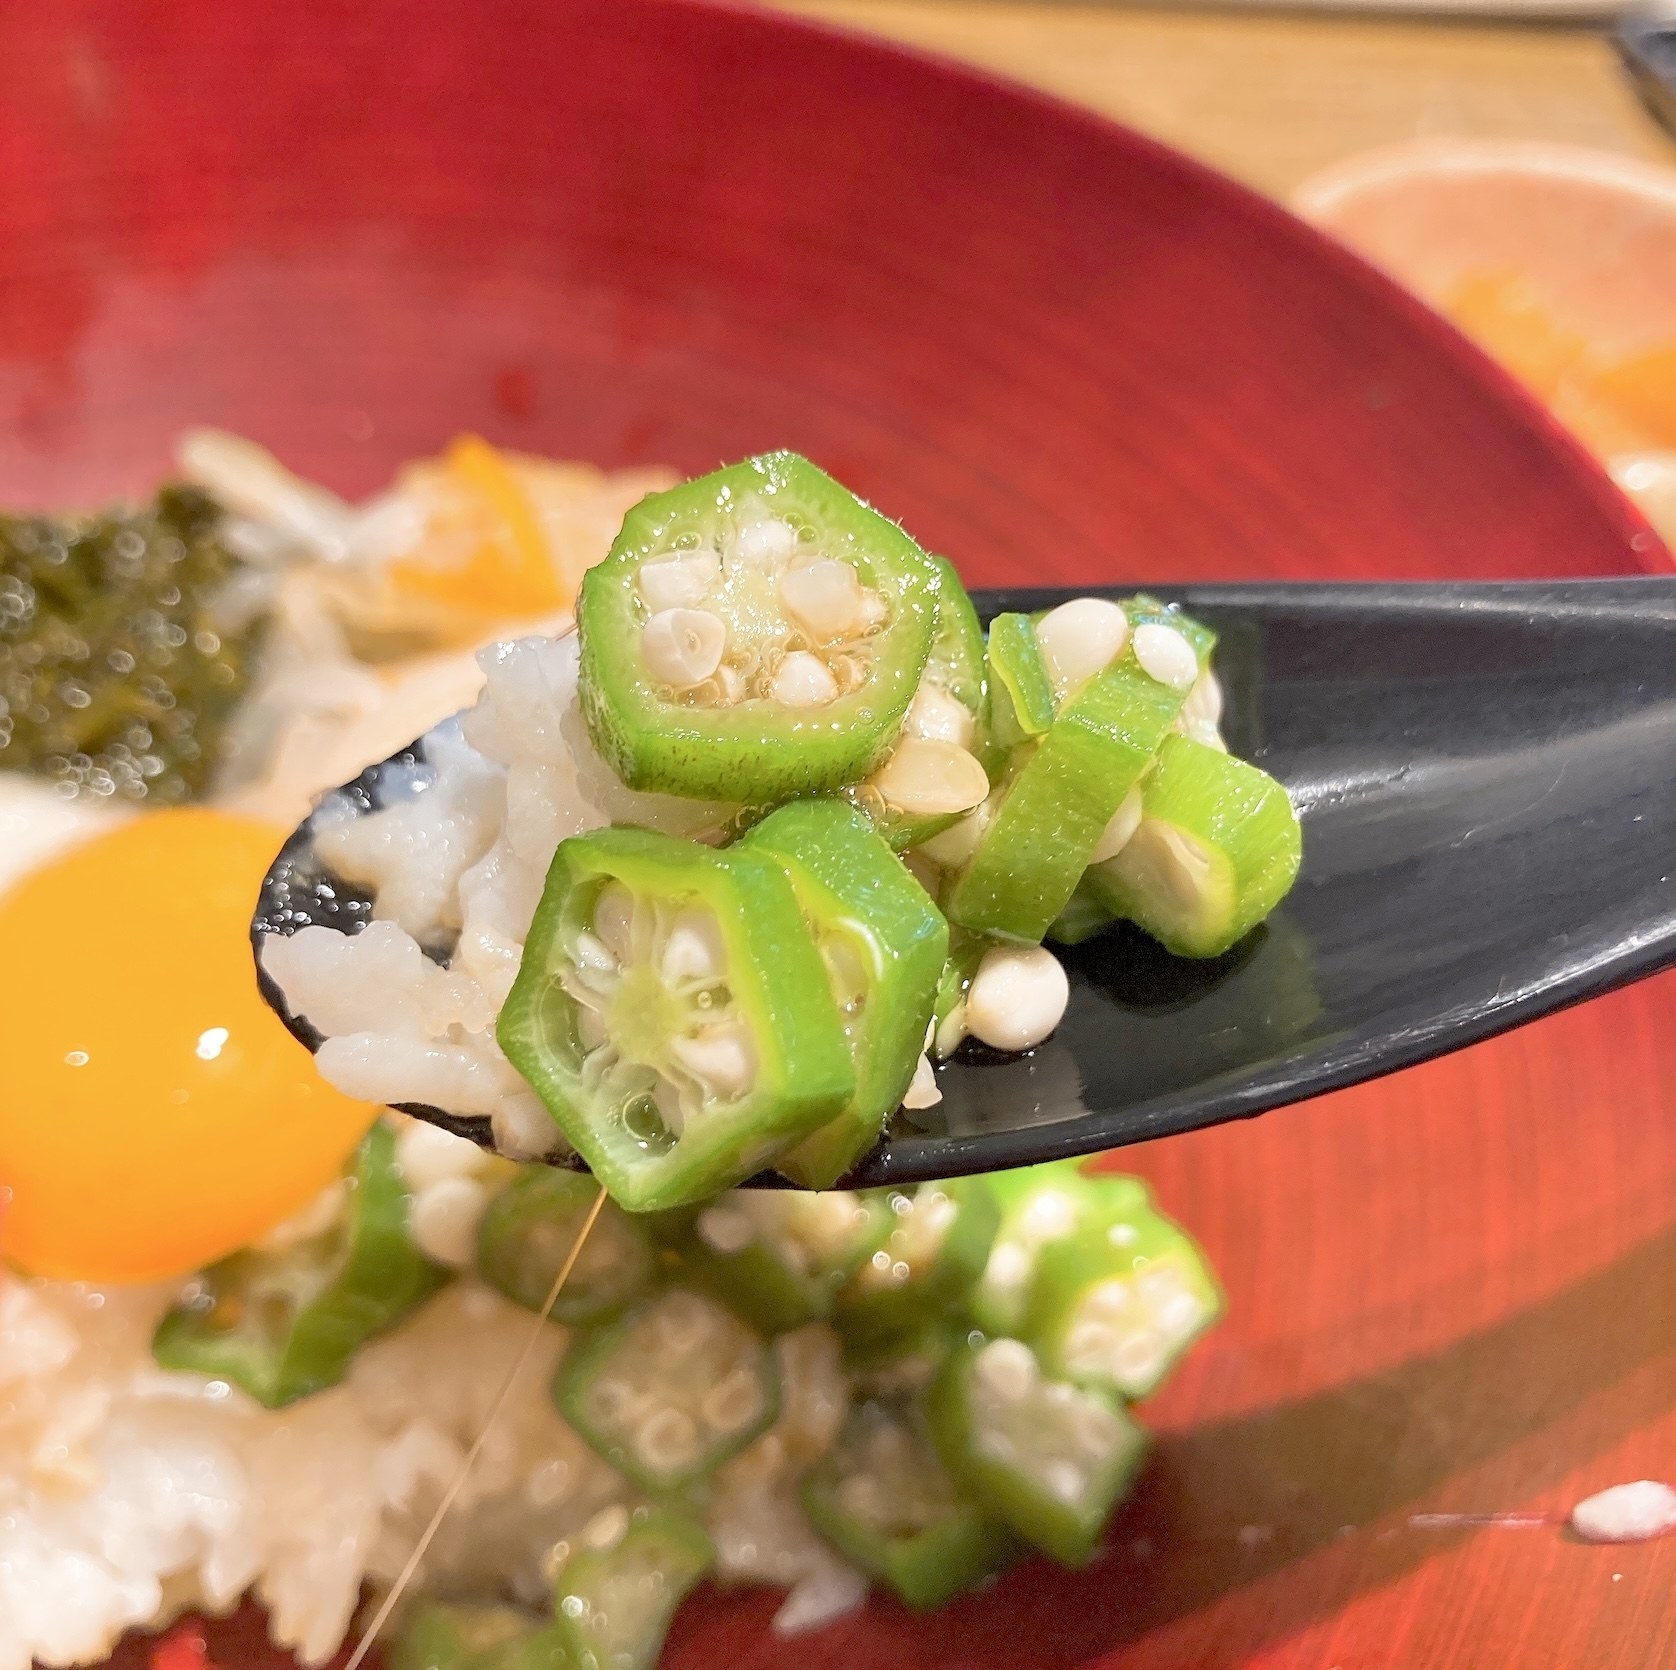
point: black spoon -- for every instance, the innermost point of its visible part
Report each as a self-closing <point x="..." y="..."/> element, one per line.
<point x="1487" y="780"/>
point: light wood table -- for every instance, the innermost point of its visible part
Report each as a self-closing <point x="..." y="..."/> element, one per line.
<point x="1272" y="99"/>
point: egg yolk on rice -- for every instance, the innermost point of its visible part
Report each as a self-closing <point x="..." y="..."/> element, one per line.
<point x="155" y="1115"/>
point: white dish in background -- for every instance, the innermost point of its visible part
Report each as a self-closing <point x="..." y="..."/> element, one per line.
<point x="1588" y="236"/>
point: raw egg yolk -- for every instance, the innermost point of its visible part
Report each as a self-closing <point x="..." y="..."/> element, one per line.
<point x="155" y="1114"/>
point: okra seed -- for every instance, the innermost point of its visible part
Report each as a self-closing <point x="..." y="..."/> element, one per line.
<point x="614" y="920"/>
<point x="1204" y="700"/>
<point x="669" y="1440"/>
<point x="719" y="1057"/>
<point x="730" y="685"/>
<point x="823" y="597"/>
<point x="725" y="1230"/>
<point x="1079" y="639"/>
<point x="803" y="680"/>
<point x="766" y="539"/>
<point x="955" y="845"/>
<point x="1205" y="734"/>
<point x="923" y="1092"/>
<point x="1006" y="1368"/>
<point x="683" y="647"/>
<point x="1176" y="861"/>
<point x="931" y="779"/>
<point x="1166" y="656"/>
<point x="682" y="1322"/>
<point x="679" y="582"/>
<point x="1123" y="823"/>
<point x="1018" y="996"/>
<point x="594" y="956"/>
<point x="693" y="949"/>
<point x="1065" y="1481"/>
<point x="444" y="1217"/>
<point x="937" y="716"/>
<point x="607" y="1527"/>
<point x="734" y="1401"/>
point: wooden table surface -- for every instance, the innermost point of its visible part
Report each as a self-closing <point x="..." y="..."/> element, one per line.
<point x="1272" y="99"/>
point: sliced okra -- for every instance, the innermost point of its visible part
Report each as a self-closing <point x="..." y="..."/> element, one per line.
<point x="285" y="1324"/>
<point x="1021" y="697"/>
<point x="1116" y="1304"/>
<point x="669" y="1391"/>
<point x="938" y="1243"/>
<point x="1047" y="1458"/>
<point x="884" y="944"/>
<point x="753" y="635"/>
<point x="449" y="1635"/>
<point x="674" y="1014"/>
<point x="1216" y="849"/>
<point x="612" y="1603"/>
<point x="777" y="1256"/>
<point x="1038" y="831"/>
<point x="1042" y="1205"/>
<point x="883" y="1498"/>
<point x="527" y="1232"/>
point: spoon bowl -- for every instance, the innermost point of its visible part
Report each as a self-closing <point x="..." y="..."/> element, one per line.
<point x="1486" y="777"/>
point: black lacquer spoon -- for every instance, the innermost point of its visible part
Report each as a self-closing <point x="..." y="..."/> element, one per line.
<point x="1487" y="780"/>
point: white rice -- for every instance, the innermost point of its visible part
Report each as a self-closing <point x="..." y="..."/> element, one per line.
<point x="456" y="860"/>
<point x="128" y="1494"/>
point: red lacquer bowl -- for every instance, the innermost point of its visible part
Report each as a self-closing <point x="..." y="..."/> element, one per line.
<point x="650" y="230"/>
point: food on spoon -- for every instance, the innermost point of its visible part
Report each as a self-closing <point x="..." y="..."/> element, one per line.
<point x="1216" y="848"/>
<point x="754" y="634"/>
<point x="1011" y="788"/>
<point x="883" y="943"/>
<point x="674" y="1015"/>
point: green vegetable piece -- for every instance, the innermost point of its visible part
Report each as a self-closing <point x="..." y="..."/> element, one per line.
<point x="671" y="1390"/>
<point x="957" y="663"/>
<point x="1085" y="915"/>
<point x="673" y="1013"/>
<point x="613" y="1605"/>
<point x="286" y="1324"/>
<point x="937" y="1247"/>
<point x="1021" y="703"/>
<point x="1047" y="1458"/>
<point x="1116" y="1304"/>
<point x="777" y="1256"/>
<point x="1042" y="1205"/>
<point x="1217" y="849"/>
<point x="446" y="1635"/>
<point x="753" y="635"/>
<point x="118" y="676"/>
<point x="882" y="1497"/>
<point x="884" y="944"/>
<point x="1040" y="828"/>
<point x="528" y="1229"/>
